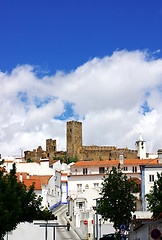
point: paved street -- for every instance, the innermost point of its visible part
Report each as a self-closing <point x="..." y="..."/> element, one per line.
<point x="62" y="233"/>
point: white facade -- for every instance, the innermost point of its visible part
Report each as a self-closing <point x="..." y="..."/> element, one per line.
<point x="28" y="231"/>
<point x="141" y="147"/>
<point x="49" y="190"/>
<point x="149" y="175"/>
<point x="54" y="190"/>
<point x="32" y="168"/>
<point x="85" y="183"/>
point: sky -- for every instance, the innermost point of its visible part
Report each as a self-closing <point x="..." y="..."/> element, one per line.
<point x="99" y="62"/>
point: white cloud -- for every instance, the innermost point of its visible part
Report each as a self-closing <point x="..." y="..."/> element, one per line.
<point x="107" y="95"/>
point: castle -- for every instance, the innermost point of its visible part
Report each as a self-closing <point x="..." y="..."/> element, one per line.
<point x="76" y="149"/>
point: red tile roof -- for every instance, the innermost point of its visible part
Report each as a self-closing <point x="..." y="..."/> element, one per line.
<point x="115" y="162"/>
<point x="43" y="178"/>
<point x="39" y="180"/>
<point x="29" y="182"/>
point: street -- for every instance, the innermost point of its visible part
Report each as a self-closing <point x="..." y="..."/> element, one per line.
<point x="61" y="232"/>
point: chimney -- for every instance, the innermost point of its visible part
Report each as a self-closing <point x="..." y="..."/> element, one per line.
<point x="159" y="156"/>
<point x="44" y="162"/>
<point x="121" y="157"/>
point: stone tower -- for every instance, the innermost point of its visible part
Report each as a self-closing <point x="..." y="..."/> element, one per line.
<point x="74" y="138"/>
<point x="141" y="147"/>
<point x="50" y="147"/>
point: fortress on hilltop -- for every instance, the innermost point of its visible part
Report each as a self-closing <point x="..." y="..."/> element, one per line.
<point x="76" y="149"/>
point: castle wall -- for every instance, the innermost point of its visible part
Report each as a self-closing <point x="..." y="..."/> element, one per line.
<point x="75" y="148"/>
<point x="35" y="155"/>
<point x="50" y="152"/>
<point x="107" y="153"/>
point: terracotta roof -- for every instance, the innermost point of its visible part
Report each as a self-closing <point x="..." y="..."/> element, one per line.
<point x="29" y="182"/>
<point x="116" y="162"/>
<point x="94" y="163"/>
<point x="141" y="161"/>
<point x="39" y="180"/>
<point x="43" y="178"/>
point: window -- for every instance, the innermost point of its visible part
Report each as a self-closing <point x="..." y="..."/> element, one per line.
<point x="79" y="187"/>
<point x="134" y="169"/>
<point x="125" y="168"/>
<point x="96" y="185"/>
<point x="151" y="178"/>
<point x="101" y="170"/>
<point x="80" y="205"/>
<point x="85" y="171"/>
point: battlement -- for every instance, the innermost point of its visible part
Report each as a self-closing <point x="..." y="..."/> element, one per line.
<point x="99" y="148"/>
<point x="75" y="148"/>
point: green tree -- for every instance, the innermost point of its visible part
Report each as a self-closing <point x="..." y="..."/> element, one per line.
<point x="29" y="160"/>
<point x="117" y="201"/>
<point x="71" y="159"/>
<point x="58" y="158"/>
<point x="17" y="204"/>
<point x="154" y="198"/>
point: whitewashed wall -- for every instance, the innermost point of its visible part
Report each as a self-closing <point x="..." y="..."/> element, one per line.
<point x="28" y="231"/>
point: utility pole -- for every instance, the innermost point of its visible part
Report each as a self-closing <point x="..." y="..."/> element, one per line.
<point x="96" y="217"/>
<point x="93" y="226"/>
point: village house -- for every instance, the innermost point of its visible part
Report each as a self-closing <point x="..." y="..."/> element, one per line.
<point x="85" y="182"/>
<point x="47" y="180"/>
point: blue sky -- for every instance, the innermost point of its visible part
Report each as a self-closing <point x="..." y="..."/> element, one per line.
<point x="99" y="62"/>
<point x="62" y="35"/>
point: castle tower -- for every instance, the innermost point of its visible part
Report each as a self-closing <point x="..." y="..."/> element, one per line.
<point x="50" y="146"/>
<point x="141" y="147"/>
<point x="74" y="138"/>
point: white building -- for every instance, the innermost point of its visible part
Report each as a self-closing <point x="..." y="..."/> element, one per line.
<point x="65" y="171"/>
<point x="47" y="180"/>
<point x="85" y="182"/>
<point x="149" y="175"/>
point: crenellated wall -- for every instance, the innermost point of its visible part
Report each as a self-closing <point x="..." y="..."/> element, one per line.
<point x="75" y="148"/>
